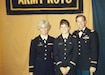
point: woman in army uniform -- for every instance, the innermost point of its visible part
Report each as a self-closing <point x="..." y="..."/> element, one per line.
<point x="65" y="51"/>
<point x="41" y="50"/>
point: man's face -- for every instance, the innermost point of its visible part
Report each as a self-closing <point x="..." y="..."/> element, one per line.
<point x="81" y="23"/>
<point x="64" y="28"/>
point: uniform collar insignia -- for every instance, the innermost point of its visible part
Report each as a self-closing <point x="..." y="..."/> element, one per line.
<point x="60" y="43"/>
<point x="70" y="42"/>
<point x="40" y="44"/>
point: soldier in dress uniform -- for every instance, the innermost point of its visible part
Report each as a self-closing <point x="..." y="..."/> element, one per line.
<point x="65" y="51"/>
<point x="41" y="52"/>
<point x="88" y="47"/>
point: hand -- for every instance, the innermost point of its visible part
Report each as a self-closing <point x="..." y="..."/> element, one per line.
<point x="92" y="69"/>
<point x="67" y="69"/>
<point x="31" y="73"/>
<point x="63" y="70"/>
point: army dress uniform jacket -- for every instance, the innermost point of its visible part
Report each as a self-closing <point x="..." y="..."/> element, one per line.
<point x="41" y="59"/>
<point x="65" y="53"/>
<point x="88" y="49"/>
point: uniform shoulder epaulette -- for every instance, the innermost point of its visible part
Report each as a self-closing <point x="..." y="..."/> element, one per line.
<point x="92" y="30"/>
<point x="74" y="36"/>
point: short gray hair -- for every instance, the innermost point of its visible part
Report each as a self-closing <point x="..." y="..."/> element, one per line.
<point x="45" y="22"/>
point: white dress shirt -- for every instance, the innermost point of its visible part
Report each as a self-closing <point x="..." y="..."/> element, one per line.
<point x="81" y="32"/>
<point x="44" y="37"/>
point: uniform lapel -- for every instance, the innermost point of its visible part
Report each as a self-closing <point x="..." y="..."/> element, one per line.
<point x="61" y="39"/>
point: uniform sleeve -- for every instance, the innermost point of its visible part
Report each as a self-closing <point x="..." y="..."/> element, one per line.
<point x="73" y="60"/>
<point x="94" y="49"/>
<point x="32" y="56"/>
<point x="56" y="53"/>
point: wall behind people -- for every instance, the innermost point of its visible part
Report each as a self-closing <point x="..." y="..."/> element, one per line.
<point x="16" y="32"/>
<point x="0" y="58"/>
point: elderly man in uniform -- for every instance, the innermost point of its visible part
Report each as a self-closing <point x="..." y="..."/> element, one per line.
<point x="88" y="47"/>
<point x="41" y="52"/>
<point x="65" y="51"/>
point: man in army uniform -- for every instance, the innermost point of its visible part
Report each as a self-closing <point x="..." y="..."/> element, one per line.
<point x="65" y="51"/>
<point x="88" y="47"/>
<point x="41" y="52"/>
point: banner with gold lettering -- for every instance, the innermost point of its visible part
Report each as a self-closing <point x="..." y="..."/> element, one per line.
<point x="16" y="7"/>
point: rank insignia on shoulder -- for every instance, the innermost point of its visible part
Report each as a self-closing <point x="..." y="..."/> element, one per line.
<point x="92" y="30"/>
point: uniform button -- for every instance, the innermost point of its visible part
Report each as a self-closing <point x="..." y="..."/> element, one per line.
<point x="79" y="53"/>
<point x="64" y="57"/>
<point x="45" y="50"/>
<point x="85" y="41"/>
<point x="79" y="42"/>
<point x="64" y="44"/>
<point x="45" y="54"/>
<point x="45" y="58"/>
<point x="64" y="40"/>
<point x="65" y="49"/>
<point x="45" y="46"/>
<point x="64" y="53"/>
<point x="79" y="49"/>
<point x="79" y="45"/>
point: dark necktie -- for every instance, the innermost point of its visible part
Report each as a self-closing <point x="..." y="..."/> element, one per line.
<point x="80" y="33"/>
<point x="44" y="40"/>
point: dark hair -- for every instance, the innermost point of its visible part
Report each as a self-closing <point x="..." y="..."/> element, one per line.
<point x="64" y="21"/>
<point x="80" y="16"/>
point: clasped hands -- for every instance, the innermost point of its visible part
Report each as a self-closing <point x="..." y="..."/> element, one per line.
<point x="65" y="70"/>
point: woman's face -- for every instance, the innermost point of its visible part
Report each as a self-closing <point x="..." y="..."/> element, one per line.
<point x="64" y="28"/>
<point x="43" y="29"/>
